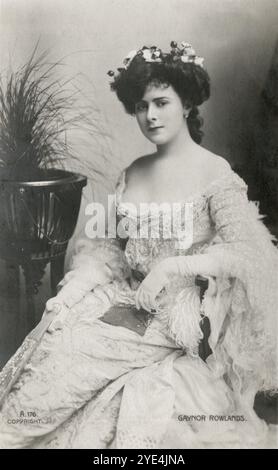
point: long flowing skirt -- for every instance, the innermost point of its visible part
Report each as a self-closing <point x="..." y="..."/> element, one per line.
<point x="93" y="385"/>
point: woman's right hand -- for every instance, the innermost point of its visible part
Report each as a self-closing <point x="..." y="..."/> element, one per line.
<point x="54" y="305"/>
<point x="57" y="306"/>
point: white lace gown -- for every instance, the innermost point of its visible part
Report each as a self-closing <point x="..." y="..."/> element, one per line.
<point x="90" y="384"/>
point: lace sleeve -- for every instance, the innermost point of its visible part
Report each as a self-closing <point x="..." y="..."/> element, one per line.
<point x="229" y="210"/>
<point x="106" y="252"/>
<point x="95" y="261"/>
<point x="244" y="248"/>
<point x="240" y="233"/>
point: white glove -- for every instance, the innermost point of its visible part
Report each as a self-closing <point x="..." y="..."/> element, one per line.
<point x="160" y="276"/>
<point x="54" y="305"/>
<point x="75" y="285"/>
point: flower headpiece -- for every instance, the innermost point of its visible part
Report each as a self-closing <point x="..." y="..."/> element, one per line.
<point x="184" y="53"/>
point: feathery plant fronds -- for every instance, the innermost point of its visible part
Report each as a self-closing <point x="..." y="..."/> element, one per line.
<point x="36" y="111"/>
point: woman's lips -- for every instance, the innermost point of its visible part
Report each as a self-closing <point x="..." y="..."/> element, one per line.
<point x="151" y="129"/>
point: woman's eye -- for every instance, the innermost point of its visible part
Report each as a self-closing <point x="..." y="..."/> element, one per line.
<point x="160" y="104"/>
<point x="140" y="107"/>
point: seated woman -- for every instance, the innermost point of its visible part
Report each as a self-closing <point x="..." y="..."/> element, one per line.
<point x="95" y="381"/>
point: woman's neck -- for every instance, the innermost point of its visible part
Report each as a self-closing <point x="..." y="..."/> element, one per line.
<point x="180" y="148"/>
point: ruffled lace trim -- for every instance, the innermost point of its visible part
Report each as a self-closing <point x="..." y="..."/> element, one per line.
<point x="228" y="178"/>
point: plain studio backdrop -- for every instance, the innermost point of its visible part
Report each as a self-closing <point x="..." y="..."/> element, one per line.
<point x="236" y="38"/>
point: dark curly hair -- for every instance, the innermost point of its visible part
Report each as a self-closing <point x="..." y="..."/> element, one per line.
<point x="190" y="81"/>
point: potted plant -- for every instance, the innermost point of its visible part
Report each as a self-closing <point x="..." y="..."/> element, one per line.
<point x="39" y="199"/>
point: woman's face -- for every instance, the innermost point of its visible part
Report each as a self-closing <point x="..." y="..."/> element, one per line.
<point x="160" y="114"/>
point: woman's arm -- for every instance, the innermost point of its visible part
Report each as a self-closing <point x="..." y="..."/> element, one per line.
<point x="95" y="262"/>
<point x="242" y="245"/>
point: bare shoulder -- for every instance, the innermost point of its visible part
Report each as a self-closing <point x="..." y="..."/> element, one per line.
<point x="213" y="165"/>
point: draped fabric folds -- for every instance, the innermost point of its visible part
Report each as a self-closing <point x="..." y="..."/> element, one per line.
<point x="96" y="385"/>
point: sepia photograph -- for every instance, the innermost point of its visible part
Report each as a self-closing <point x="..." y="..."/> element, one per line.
<point x="138" y="226"/>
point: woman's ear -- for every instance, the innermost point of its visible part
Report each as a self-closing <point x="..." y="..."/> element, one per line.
<point x="187" y="106"/>
<point x="186" y="112"/>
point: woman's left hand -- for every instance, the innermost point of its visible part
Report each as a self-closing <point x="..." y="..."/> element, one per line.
<point x="150" y="287"/>
<point x="156" y="280"/>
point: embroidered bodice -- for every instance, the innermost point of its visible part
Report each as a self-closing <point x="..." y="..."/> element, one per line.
<point x="143" y="253"/>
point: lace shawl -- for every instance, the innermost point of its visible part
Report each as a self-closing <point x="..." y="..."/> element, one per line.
<point x="247" y="335"/>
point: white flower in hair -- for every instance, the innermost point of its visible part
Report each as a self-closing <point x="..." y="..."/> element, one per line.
<point x="147" y="54"/>
<point x="151" y="54"/>
<point x="186" y="59"/>
<point x="199" y="61"/>
<point x="187" y="48"/>
<point x="185" y="53"/>
<point x="190" y="51"/>
<point x="185" y="45"/>
<point x="129" y="57"/>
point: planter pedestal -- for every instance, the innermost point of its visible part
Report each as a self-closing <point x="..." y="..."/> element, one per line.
<point x="37" y="220"/>
<point x="33" y="272"/>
